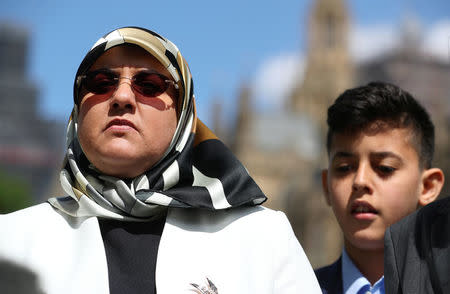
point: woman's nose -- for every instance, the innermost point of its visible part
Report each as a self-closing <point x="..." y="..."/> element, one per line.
<point x="123" y="96"/>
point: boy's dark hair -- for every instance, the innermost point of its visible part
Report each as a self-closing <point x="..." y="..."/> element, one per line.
<point x="358" y="108"/>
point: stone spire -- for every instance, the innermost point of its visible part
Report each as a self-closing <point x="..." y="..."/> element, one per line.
<point x="329" y="69"/>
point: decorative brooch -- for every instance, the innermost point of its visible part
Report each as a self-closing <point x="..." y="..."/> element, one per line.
<point x="210" y="288"/>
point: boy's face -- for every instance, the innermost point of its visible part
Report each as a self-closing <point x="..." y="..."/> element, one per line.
<point x="372" y="181"/>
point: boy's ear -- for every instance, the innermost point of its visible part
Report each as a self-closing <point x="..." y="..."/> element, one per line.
<point x="432" y="182"/>
<point x="325" y="186"/>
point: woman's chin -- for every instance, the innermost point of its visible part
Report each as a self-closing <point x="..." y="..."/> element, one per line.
<point x="122" y="158"/>
<point x="122" y="165"/>
<point x="122" y="172"/>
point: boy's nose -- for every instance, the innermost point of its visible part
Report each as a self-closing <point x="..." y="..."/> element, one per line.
<point x="361" y="179"/>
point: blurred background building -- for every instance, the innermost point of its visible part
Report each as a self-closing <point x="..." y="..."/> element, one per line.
<point x="30" y="146"/>
<point x="283" y="149"/>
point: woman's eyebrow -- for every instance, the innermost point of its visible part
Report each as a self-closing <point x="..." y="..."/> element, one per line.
<point x="102" y="69"/>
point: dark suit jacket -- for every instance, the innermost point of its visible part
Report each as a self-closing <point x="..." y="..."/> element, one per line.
<point x="330" y="277"/>
<point x="417" y="251"/>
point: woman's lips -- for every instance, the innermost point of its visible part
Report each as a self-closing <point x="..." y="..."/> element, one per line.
<point x="120" y="125"/>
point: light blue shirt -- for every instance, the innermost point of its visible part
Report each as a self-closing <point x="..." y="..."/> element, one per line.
<point x="353" y="280"/>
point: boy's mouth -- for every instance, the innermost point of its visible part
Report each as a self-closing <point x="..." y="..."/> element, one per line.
<point x="363" y="209"/>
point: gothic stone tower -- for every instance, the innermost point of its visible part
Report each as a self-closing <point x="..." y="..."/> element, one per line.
<point x="329" y="69"/>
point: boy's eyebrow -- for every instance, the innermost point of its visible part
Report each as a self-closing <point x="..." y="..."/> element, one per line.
<point x="385" y="154"/>
<point x="342" y="154"/>
<point x="378" y="155"/>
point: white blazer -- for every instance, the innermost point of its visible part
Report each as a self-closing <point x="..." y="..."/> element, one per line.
<point x="250" y="250"/>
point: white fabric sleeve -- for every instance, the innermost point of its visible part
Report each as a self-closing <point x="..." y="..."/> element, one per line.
<point x="292" y="270"/>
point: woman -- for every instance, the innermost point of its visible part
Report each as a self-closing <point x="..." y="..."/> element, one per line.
<point x="156" y="202"/>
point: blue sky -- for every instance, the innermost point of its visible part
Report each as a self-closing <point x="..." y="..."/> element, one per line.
<point x="224" y="42"/>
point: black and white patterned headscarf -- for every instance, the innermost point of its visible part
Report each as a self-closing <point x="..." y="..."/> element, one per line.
<point x="197" y="170"/>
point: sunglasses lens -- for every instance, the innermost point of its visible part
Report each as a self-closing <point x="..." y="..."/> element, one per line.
<point x="100" y="82"/>
<point x="150" y="84"/>
<point x="103" y="81"/>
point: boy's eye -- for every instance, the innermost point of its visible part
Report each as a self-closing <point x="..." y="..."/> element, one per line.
<point x="343" y="168"/>
<point x="385" y="170"/>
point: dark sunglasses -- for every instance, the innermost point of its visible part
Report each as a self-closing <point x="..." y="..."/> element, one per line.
<point x="147" y="83"/>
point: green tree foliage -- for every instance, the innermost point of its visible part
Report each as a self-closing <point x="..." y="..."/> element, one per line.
<point x="14" y="193"/>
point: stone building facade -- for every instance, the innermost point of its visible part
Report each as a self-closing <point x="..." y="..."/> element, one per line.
<point x="285" y="152"/>
<point x="30" y="146"/>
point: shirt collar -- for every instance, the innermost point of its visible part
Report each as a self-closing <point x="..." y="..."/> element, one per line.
<point x="353" y="280"/>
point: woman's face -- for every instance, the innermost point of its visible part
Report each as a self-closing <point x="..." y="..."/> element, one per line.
<point x="122" y="132"/>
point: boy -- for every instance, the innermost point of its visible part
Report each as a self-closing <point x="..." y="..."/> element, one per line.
<point x="380" y="145"/>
